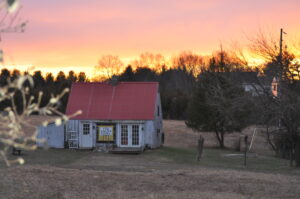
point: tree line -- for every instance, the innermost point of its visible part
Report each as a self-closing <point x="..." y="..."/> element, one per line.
<point x="177" y="83"/>
<point x="49" y="85"/>
<point x="176" y="86"/>
<point x="209" y="95"/>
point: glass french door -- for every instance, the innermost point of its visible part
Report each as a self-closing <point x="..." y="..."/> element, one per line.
<point x="130" y="135"/>
<point x="124" y="135"/>
<point x="135" y="135"/>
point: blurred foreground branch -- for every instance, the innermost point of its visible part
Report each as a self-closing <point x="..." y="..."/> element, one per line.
<point x="14" y="119"/>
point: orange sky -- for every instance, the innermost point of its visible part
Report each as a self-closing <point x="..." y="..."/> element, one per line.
<point x="74" y="34"/>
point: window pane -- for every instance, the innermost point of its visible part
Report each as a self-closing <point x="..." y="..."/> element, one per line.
<point x="124" y="134"/>
<point x="135" y="134"/>
<point x="86" y="129"/>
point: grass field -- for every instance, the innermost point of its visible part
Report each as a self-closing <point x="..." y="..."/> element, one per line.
<point x="168" y="172"/>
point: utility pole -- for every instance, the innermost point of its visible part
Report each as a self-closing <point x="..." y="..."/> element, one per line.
<point x="280" y="45"/>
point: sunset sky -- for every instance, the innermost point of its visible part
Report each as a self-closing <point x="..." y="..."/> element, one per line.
<point x="74" y="34"/>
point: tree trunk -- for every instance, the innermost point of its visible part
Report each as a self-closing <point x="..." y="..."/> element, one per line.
<point x="222" y="140"/>
<point x="297" y="152"/>
<point x="291" y="157"/>
<point x="220" y="137"/>
<point x="200" y="147"/>
<point x="270" y="141"/>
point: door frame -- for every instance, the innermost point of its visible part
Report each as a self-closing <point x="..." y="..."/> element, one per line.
<point x="83" y="137"/>
<point x="129" y="135"/>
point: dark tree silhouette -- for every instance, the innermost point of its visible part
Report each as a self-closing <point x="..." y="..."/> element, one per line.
<point x="72" y="77"/>
<point x="127" y="75"/>
<point x="61" y="77"/>
<point x="4" y="76"/>
<point x="38" y="79"/>
<point x="49" y="79"/>
<point x="15" y="74"/>
<point x="145" y="74"/>
<point x="82" y="77"/>
<point x="219" y="105"/>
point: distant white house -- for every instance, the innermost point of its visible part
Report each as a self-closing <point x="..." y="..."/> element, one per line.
<point x="258" y="84"/>
<point x="122" y="117"/>
<point x="255" y="83"/>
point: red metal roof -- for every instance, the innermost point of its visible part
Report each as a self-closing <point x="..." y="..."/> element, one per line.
<point x="102" y="101"/>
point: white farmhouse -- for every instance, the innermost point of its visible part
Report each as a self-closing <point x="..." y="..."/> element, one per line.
<point x="122" y="117"/>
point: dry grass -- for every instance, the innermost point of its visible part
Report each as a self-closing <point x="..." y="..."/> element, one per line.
<point x="169" y="172"/>
<point x="177" y="130"/>
<point x="53" y="182"/>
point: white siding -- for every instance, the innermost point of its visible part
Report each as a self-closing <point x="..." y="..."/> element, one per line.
<point x="72" y="127"/>
<point x="149" y="131"/>
<point x="94" y="133"/>
<point x="53" y="134"/>
<point x="42" y="134"/>
<point x="152" y="139"/>
<point x="158" y="123"/>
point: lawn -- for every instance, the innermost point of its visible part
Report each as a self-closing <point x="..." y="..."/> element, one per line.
<point x="168" y="172"/>
<point x="227" y="159"/>
<point x="178" y="157"/>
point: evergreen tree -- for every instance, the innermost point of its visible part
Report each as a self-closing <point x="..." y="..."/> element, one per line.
<point x="38" y="79"/>
<point x="4" y="76"/>
<point x="82" y="77"/>
<point x="128" y="75"/>
<point x="218" y="105"/>
<point x="72" y="77"/>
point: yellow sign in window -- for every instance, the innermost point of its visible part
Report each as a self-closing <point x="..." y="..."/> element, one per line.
<point x="105" y="133"/>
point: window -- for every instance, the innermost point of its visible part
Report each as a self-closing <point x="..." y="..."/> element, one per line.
<point x="135" y="134"/>
<point x="158" y="111"/>
<point x="86" y="129"/>
<point x="105" y="133"/>
<point x="158" y="132"/>
<point x="274" y="87"/>
<point x="124" y="134"/>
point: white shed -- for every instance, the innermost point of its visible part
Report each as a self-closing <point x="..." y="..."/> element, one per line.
<point x="122" y="117"/>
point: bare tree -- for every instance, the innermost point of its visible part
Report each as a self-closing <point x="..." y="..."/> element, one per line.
<point x="238" y="56"/>
<point x="149" y="60"/>
<point x="10" y="21"/>
<point x="108" y="66"/>
<point x="264" y="46"/>
<point x="191" y="62"/>
<point x="281" y="113"/>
